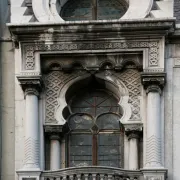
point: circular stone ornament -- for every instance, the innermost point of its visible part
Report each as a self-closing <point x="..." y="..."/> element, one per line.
<point x="74" y="10"/>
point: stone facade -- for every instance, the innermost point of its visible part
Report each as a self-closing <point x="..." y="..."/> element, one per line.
<point x="45" y="61"/>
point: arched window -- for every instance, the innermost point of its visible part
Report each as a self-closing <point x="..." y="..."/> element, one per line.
<point x="93" y="9"/>
<point x="96" y="134"/>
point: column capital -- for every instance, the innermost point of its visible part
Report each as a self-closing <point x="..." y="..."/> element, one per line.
<point x="133" y="130"/>
<point x="133" y="134"/>
<point x="153" y="82"/>
<point x="153" y="88"/>
<point x="55" y="136"/>
<point x="31" y="90"/>
<point x="30" y="84"/>
<point x="54" y="130"/>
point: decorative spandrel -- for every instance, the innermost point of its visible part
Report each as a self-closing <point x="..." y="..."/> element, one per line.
<point x="75" y="10"/>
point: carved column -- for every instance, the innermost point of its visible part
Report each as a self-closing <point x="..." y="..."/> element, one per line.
<point x="31" y="130"/>
<point x="31" y="87"/>
<point x="55" y="152"/>
<point x="133" y="150"/>
<point x="133" y="132"/>
<point x="153" y="84"/>
<point x="55" y="132"/>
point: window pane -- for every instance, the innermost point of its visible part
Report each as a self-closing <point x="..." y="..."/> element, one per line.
<point x="80" y="150"/>
<point x="80" y="121"/>
<point x="108" y="121"/>
<point x="82" y="9"/>
<point x="110" y="150"/>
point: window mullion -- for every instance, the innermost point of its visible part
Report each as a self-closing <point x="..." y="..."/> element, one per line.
<point x="94" y="9"/>
<point x="94" y="149"/>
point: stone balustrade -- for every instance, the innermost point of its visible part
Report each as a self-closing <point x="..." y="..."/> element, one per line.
<point x="92" y="173"/>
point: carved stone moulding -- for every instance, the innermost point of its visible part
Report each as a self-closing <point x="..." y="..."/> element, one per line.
<point x="98" y="47"/>
<point x="91" y="62"/>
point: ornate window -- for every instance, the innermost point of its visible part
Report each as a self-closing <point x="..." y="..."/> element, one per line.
<point x="96" y="135"/>
<point x="93" y="9"/>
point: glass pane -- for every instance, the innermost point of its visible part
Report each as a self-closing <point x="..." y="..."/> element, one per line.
<point x="82" y="9"/>
<point x="108" y="121"/>
<point x="110" y="150"/>
<point x="94" y="102"/>
<point x="80" y="121"/>
<point x="113" y="9"/>
<point x="80" y="150"/>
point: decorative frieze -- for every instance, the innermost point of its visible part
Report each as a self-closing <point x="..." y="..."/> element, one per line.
<point x="153" y="47"/>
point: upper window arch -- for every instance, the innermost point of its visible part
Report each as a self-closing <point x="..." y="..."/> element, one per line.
<point x="75" y="10"/>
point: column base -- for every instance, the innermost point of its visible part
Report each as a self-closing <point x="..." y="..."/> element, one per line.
<point x="154" y="174"/>
<point x="28" y="174"/>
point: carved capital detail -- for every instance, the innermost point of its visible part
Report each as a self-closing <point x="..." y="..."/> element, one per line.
<point x="30" y="84"/>
<point x="133" y="130"/>
<point x="53" y="129"/>
<point x="153" y="88"/>
<point x="55" y="137"/>
<point x="153" y="81"/>
<point x="133" y="134"/>
<point x="32" y="91"/>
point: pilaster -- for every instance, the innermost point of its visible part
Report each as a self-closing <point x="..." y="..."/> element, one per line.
<point x="153" y="167"/>
<point x="31" y="169"/>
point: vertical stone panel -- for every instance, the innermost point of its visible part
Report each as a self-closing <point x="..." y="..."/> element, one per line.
<point x="177" y="10"/>
<point x="7" y="129"/>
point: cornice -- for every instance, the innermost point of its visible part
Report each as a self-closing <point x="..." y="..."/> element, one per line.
<point x="122" y="27"/>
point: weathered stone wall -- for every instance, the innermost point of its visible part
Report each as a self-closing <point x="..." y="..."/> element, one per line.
<point x="172" y="114"/>
<point x="177" y="10"/>
<point x="6" y="96"/>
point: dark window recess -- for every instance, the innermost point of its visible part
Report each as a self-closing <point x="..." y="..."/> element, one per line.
<point x="93" y="9"/>
<point x="96" y="135"/>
